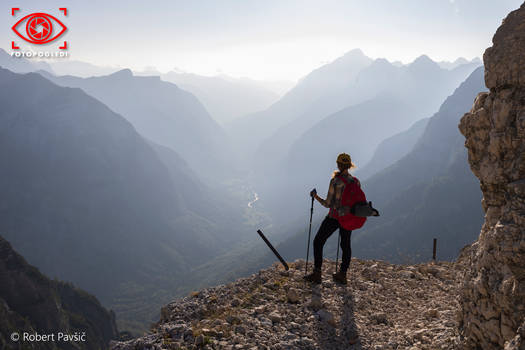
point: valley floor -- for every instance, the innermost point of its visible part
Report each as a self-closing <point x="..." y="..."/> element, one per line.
<point x="384" y="306"/>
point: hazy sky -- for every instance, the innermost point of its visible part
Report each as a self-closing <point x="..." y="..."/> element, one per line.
<point x="267" y="39"/>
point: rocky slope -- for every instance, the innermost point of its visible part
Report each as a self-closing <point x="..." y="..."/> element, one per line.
<point x="30" y="302"/>
<point x="384" y="306"/>
<point x="493" y="293"/>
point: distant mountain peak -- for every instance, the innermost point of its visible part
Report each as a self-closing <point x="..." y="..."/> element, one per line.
<point x="123" y="73"/>
<point x="355" y="52"/>
<point x="423" y="62"/>
<point x="476" y="60"/>
<point x="461" y="60"/>
<point x="349" y="59"/>
<point x="423" y="59"/>
<point x="381" y="62"/>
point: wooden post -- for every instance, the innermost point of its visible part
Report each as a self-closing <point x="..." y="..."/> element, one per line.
<point x="273" y="249"/>
<point x="434" y="250"/>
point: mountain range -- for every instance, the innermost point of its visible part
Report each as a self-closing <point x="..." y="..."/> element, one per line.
<point x="81" y="69"/>
<point x="417" y="89"/>
<point x="458" y="62"/>
<point x="116" y="182"/>
<point x="249" y="131"/>
<point x="86" y="198"/>
<point x="436" y="187"/>
<point x="429" y="193"/>
<point x="163" y="113"/>
<point x="22" y="65"/>
<point x="432" y="183"/>
<point x="225" y="98"/>
<point x="383" y="99"/>
<point x="352" y="79"/>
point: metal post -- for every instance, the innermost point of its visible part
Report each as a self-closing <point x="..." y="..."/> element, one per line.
<point x="434" y="250"/>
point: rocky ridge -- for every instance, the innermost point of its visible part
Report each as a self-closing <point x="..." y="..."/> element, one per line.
<point x="384" y="306"/>
<point x="493" y="292"/>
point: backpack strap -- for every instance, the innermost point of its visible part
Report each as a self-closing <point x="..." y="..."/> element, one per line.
<point x="346" y="182"/>
<point x="342" y="179"/>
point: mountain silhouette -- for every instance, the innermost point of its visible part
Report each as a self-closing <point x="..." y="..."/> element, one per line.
<point x="392" y="149"/>
<point x="225" y="98"/>
<point x="86" y="198"/>
<point x="81" y="69"/>
<point x="441" y="197"/>
<point x="163" y="113"/>
<point x="429" y="193"/>
<point x="22" y="65"/>
<point x="420" y="87"/>
<point x="458" y="62"/>
<point x="395" y="98"/>
<point x="250" y="130"/>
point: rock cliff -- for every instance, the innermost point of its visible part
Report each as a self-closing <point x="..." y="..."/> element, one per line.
<point x="493" y="292"/>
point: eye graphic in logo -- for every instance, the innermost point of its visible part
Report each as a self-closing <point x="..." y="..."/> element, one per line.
<point x="39" y="28"/>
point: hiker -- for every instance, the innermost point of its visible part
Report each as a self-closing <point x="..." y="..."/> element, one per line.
<point x="330" y="223"/>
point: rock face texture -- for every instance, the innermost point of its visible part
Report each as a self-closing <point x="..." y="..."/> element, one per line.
<point x="384" y="306"/>
<point x="493" y="292"/>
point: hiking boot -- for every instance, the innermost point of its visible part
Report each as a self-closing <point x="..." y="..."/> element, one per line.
<point x="339" y="277"/>
<point x="314" y="277"/>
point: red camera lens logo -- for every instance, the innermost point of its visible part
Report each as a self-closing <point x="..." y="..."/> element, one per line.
<point x="39" y="28"/>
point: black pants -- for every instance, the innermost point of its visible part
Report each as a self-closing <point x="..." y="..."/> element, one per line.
<point x="328" y="226"/>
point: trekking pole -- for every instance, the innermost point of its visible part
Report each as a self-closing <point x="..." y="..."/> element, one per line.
<point x="337" y="255"/>
<point x="309" y="233"/>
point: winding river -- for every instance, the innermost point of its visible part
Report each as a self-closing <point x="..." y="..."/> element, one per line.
<point x="256" y="198"/>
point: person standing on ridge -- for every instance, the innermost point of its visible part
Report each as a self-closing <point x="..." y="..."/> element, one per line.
<point x="333" y="201"/>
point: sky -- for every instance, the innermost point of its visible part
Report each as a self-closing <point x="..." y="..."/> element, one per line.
<point x="265" y="39"/>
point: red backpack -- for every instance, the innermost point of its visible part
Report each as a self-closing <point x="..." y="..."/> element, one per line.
<point x="352" y="194"/>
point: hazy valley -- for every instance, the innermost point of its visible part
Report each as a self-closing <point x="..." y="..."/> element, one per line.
<point x="136" y="188"/>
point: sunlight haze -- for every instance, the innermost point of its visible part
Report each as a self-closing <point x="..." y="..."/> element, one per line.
<point x="270" y="40"/>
